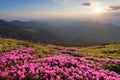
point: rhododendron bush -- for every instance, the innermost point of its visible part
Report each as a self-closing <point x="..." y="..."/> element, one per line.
<point x="26" y="65"/>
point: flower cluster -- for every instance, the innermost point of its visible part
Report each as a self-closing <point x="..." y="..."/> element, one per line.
<point x="25" y="65"/>
<point x="69" y="50"/>
<point x="106" y="61"/>
<point x="75" y="68"/>
<point x="14" y="63"/>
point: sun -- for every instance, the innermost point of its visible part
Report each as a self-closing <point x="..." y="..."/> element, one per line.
<point x="98" y="10"/>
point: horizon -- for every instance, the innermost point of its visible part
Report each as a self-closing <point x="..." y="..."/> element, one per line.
<point x="54" y="20"/>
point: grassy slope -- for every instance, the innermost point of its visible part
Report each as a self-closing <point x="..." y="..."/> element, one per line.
<point x="103" y="51"/>
<point x="12" y="44"/>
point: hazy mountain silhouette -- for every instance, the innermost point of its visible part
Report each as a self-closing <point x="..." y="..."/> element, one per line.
<point x="73" y="33"/>
<point x="30" y="24"/>
<point x="17" y="31"/>
<point x="77" y="32"/>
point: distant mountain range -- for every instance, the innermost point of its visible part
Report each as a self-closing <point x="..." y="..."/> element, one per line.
<point x="69" y="33"/>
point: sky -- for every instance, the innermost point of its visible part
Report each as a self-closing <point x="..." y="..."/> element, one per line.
<point x="40" y="9"/>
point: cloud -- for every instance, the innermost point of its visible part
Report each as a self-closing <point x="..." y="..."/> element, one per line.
<point x="86" y="4"/>
<point x="114" y="7"/>
<point x="63" y="0"/>
<point x="116" y="14"/>
<point x="67" y="0"/>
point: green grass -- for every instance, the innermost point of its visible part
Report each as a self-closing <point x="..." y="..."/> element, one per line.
<point x="103" y="51"/>
<point x="11" y="44"/>
<point x="30" y="29"/>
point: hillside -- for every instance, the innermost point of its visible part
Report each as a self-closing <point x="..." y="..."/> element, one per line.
<point x="66" y="33"/>
<point x="27" y="60"/>
<point x="29" y="33"/>
<point x="101" y="51"/>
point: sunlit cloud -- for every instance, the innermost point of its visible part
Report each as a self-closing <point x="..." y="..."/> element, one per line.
<point x="114" y="7"/>
<point x="67" y="0"/>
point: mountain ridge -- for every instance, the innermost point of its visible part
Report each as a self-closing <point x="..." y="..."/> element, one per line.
<point x="71" y="33"/>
